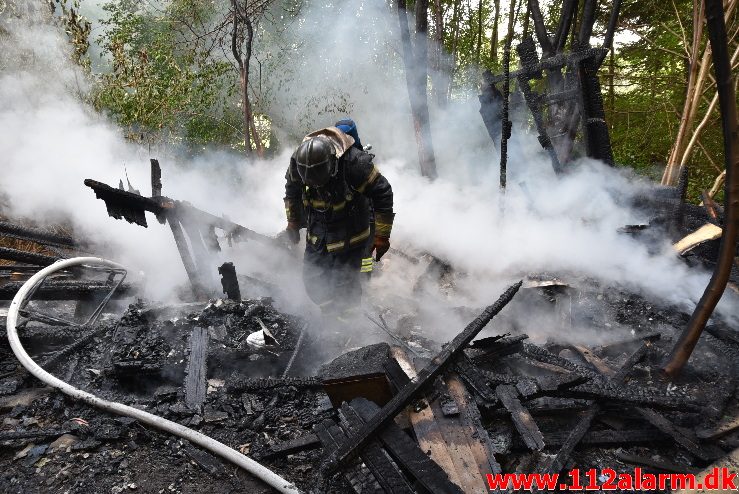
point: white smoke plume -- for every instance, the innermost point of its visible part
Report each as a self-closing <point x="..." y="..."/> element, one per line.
<point x="50" y="141"/>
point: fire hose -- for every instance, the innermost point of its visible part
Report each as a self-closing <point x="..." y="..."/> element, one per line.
<point x="227" y="453"/>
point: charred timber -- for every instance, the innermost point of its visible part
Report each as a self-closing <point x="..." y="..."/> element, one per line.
<point x="125" y="205"/>
<point x="727" y="102"/>
<point x="407" y="452"/>
<point x="534" y="71"/>
<point x="131" y="207"/>
<point x="65" y="290"/>
<point x="576" y="434"/>
<point x="40" y="236"/>
<point x="27" y="257"/>
<point x="426" y="376"/>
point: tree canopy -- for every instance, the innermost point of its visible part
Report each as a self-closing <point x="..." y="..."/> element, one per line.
<point x="170" y="75"/>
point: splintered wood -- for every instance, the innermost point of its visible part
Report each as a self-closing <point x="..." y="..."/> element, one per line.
<point x="459" y="445"/>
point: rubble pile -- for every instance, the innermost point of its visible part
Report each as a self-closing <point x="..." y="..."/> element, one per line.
<point x="500" y="404"/>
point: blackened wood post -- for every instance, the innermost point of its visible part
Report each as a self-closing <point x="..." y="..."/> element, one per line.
<point x="595" y="130"/>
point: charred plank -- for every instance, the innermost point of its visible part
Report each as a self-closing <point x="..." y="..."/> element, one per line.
<point x="196" y="380"/>
<point x="522" y="419"/>
<point x="406" y="452"/>
<point x="27" y="257"/>
<point x="385" y="471"/>
<point x="66" y="290"/>
<point x="358" y="476"/>
<point x="558" y="462"/>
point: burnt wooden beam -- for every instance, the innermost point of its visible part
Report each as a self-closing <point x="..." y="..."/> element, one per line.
<point x="522" y="419"/>
<point x="229" y="282"/>
<point x="602" y="438"/>
<point x="427" y="421"/>
<point x="402" y="449"/>
<point x="301" y="443"/>
<point x="384" y="469"/>
<point x="534" y="70"/>
<point x="45" y="237"/>
<point x="469" y="415"/>
<point x="556" y="464"/>
<point x="565" y="23"/>
<point x="595" y="130"/>
<point x="589" y="10"/>
<point x="125" y="205"/>
<point x="682" y="436"/>
<point x="196" y="372"/>
<point x="545" y="356"/>
<point x="540" y="28"/>
<point x="407" y="453"/>
<point x="426" y="376"/>
<point x="481" y="352"/>
<point x="359" y="476"/>
<point x="66" y="290"/>
<point x="27" y="257"/>
<point x="156" y="178"/>
<point x="631" y="395"/>
<point x="457" y="443"/>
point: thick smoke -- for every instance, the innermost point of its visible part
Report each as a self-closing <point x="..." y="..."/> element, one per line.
<point x="51" y="141"/>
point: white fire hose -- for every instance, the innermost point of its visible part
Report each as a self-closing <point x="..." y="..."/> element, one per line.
<point x="220" y="449"/>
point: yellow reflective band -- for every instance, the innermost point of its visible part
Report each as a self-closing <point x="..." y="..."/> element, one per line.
<point x="366" y="269"/>
<point x="353" y="240"/>
<point x="370" y="178"/>
<point x="383" y="229"/>
<point x="318" y="204"/>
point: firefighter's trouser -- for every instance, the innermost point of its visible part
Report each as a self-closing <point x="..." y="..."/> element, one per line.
<point x="332" y="280"/>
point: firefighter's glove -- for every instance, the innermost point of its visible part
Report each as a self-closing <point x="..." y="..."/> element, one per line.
<point x="293" y="232"/>
<point x="381" y="246"/>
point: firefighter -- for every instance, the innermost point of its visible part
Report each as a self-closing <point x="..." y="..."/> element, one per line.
<point x="335" y="191"/>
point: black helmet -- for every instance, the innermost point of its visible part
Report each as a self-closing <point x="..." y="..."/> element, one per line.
<point x="316" y="161"/>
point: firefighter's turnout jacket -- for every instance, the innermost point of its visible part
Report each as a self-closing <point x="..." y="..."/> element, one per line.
<point x="338" y="215"/>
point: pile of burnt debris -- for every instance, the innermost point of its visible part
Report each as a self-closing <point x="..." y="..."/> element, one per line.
<point x="406" y="417"/>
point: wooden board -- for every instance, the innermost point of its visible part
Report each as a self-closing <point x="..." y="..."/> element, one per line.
<point x="522" y="419"/>
<point x="704" y="234"/>
<point x="454" y="443"/>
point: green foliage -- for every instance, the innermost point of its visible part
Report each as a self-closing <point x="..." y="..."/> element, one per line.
<point x="76" y="26"/>
<point x="168" y="83"/>
<point x="644" y="90"/>
<point x="160" y="86"/>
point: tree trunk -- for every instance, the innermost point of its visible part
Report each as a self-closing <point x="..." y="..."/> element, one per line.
<point x="245" y="107"/>
<point x="697" y="77"/>
<point x="672" y="169"/>
<point x="611" y="83"/>
<point x="696" y="133"/>
<point x="441" y="75"/>
<point x="479" y="32"/>
<point x="494" y="35"/>
<point x="416" y="76"/>
<point x="426" y="149"/>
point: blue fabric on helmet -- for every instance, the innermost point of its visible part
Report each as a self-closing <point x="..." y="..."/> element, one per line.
<point x="347" y="126"/>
